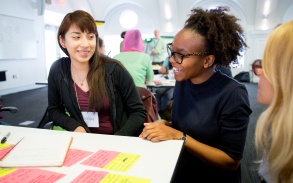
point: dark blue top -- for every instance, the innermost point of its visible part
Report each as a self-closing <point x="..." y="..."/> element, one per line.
<point x="215" y="113"/>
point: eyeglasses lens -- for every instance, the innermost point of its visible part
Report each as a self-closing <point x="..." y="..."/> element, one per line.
<point x="177" y="57"/>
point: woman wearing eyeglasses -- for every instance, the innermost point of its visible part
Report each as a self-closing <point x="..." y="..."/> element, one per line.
<point x="274" y="130"/>
<point x="210" y="110"/>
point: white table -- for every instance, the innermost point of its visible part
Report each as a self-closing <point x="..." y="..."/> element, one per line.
<point x="157" y="161"/>
<point x="156" y="67"/>
<point x="160" y="81"/>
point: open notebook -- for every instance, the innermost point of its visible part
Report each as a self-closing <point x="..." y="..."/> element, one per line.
<point x="38" y="150"/>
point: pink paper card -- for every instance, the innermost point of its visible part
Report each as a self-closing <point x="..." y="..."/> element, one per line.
<point x="24" y="175"/>
<point x="75" y="155"/>
<point x="4" y="149"/>
<point x="101" y="158"/>
<point x="90" y="176"/>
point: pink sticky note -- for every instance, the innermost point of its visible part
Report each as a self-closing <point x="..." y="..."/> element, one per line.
<point x="5" y="150"/>
<point x="75" y="155"/>
<point x="24" y="175"/>
<point x="101" y="158"/>
<point x="90" y="176"/>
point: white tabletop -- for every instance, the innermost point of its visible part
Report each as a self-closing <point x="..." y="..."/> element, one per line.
<point x="162" y="81"/>
<point x="156" y="67"/>
<point x="157" y="161"/>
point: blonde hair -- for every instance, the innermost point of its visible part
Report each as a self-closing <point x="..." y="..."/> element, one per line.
<point x="274" y="130"/>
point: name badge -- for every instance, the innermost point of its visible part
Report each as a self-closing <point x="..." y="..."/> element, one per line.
<point x="91" y="118"/>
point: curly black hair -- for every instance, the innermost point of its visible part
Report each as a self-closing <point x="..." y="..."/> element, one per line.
<point x="224" y="36"/>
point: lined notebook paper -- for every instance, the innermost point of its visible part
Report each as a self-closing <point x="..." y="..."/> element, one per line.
<point x="38" y="150"/>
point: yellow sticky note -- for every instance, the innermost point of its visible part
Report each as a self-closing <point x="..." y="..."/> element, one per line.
<point x="6" y="171"/>
<point x="122" y="162"/>
<point x="4" y="145"/>
<point x="115" y="178"/>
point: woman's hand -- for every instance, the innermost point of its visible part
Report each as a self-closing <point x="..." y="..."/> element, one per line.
<point x="80" y="129"/>
<point x="158" y="131"/>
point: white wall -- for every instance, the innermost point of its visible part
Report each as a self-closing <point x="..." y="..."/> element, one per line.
<point x="28" y="71"/>
<point x="25" y="71"/>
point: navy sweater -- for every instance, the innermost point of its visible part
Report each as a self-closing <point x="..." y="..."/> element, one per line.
<point x="215" y="113"/>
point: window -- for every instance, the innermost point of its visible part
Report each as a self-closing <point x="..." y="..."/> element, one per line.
<point x="128" y="19"/>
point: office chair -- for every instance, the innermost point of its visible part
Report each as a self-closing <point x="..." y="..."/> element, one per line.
<point x="150" y="104"/>
<point x="46" y="122"/>
<point x="10" y="109"/>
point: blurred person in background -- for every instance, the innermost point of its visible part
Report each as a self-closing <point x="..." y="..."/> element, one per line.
<point x="122" y="35"/>
<point x="135" y="61"/>
<point x="157" y="49"/>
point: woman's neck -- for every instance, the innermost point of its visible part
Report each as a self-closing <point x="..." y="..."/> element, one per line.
<point x="79" y="74"/>
<point x="80" y="67"/>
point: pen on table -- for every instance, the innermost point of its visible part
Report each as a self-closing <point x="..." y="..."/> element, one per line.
<point x="4" y="139"/>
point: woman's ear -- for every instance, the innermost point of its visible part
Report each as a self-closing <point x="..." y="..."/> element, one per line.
<point x="209" y="61"/>
<point x="61" y="41"/>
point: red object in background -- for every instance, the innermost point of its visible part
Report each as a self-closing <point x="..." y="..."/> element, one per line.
<point x="61" y="2"/>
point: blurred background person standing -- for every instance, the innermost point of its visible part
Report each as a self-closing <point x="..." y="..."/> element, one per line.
<point x="157" y="49"/>
<point x="135" y="61"/>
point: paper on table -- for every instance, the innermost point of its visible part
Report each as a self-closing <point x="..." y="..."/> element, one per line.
<point x="106" y="177"/>
<point x="38" y="150"/>
<point x="5" y="148"/>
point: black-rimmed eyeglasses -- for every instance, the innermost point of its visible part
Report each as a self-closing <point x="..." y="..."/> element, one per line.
<point x="178" y="57"/>
<point x="257" y="67"/>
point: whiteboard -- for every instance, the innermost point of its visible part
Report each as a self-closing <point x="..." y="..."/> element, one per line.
<point x="17" y="38"/>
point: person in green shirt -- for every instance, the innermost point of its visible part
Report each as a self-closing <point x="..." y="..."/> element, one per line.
<point x="134" y="60"/>
<point x="157" y="49"/>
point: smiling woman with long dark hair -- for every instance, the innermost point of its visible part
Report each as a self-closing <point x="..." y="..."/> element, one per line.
<point x="89" y="92"/>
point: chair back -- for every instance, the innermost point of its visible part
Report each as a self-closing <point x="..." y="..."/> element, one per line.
<point x="150" y="104"/>
<point x="10" y="109"/>
<point x="46" y="121"/>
